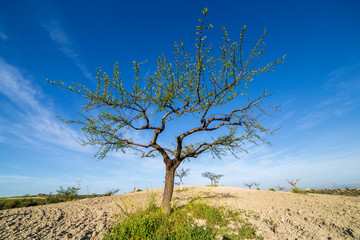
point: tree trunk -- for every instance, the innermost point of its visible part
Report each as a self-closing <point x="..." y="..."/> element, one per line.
<point x="181" y="183"/>
<point x="169" y="188"/>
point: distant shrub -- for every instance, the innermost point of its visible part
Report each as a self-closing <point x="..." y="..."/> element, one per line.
<point x="111" y="192"/>
<point x="345" y="192"/>
<point x="12" y="204"/>
<point x="53" y="199"/>
<point x="272" y="189"/>
<point x="28" y="202"/>
<point x="298" y="190"/>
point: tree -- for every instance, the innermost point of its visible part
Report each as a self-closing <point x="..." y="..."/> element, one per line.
<point x="77" y="186"/>
<point x="213" y="177"/>
<point x="209" y="175"/>
<point x="217" y="178"/>
<point x="68" y="193"/>
<point x="211" y="90"/>
<point x="293" y="182"/>
<point x="111" y="192"/>
<point x="249" y="185"/>
<point x="257" y="186"/>
<point x="180" y="174"/>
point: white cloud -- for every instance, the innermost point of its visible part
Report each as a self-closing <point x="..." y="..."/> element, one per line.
<point x="27" y="118"/>
<point x="24" y="179"/>
<point x="60" y="37"/>
<point x="3" y="36"/>
<point x="14" y="86"/>
<point x="342" y="97"/>
<point x="271" y="168"/>
<point x="286" y="117"/>
<point x="312" y="119"/>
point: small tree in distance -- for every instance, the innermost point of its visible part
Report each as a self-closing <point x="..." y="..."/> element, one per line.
<point x="249" y="185"/>
<point x="213" y="177"/>
<point x="208" y="175"/>
<point x="213" y="90"/>
<point x="68" y="193"/>
<point x="180" y="174"/>
<point x="293" y="182"/>
<point x="257" y="186"/>
<point x="217" y="178"/>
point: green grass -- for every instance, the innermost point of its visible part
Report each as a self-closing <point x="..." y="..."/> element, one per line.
<point x="183" y="190"/>
<point x="272" y="224"/>
<point x="195" y="220"/>
<point x="28" y="201"/>
<point x="298" y="190"/>
<point x="9" y="203"/>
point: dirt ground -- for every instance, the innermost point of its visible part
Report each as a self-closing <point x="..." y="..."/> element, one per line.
<point x="294" y="216"/>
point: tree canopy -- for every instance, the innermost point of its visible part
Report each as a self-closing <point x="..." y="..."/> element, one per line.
<point x="193" y="84"/>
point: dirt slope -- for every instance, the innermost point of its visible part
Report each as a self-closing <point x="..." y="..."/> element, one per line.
<point x="297" y="216"/>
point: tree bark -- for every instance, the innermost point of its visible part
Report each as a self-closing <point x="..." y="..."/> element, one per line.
<point x="169" y="188"/>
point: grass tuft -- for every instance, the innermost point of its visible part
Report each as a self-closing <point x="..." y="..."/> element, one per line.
<point x="194" y="220"/>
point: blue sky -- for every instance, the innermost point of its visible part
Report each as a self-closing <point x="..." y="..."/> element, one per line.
<point x="318" y="88"/>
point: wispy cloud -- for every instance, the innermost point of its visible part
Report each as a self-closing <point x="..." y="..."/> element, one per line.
<point x="343" y="85"/>
<point x="284" y="118"/>
<point x="24" y="179"/>
<point x="3" y="36"/>
<point x="272" y="168"/>
<point x="17" y="88"/>
<point x="26" y="116"/>
<point x="312" y="119"/>
<point x="60" y="37"/>
<point x="342" y="97"/>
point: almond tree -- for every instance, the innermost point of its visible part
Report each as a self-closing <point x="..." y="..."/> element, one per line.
<point x="217" y="178"/>
<point x="257" y="185"/>
<point x="249" y="185"/>
<point x="209" y="175"/>
<point x="180" y="174"/>
<point x="213" y="177"/>
<point x="213" y="90"/>
<point x="293" y="182"/>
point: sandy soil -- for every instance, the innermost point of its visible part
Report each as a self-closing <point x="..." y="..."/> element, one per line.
<point x="297" y="216"/>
